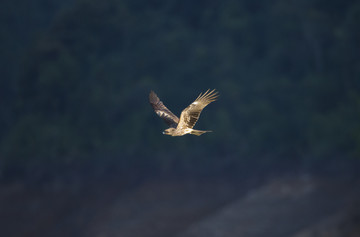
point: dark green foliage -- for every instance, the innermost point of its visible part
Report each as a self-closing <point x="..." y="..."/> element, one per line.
<point x="288" y="74"/>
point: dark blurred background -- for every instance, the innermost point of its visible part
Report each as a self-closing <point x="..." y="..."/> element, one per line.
<point x="75" y="78"/>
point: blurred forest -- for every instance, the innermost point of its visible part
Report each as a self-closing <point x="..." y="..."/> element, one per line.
<point x="76" y="77"/>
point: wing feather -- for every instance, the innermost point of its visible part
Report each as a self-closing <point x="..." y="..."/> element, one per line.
<point x="190" y="115"/>
<point x="160" y="109"/>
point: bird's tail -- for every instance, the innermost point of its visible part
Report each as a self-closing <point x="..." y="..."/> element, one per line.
<point x="198" y="132"/>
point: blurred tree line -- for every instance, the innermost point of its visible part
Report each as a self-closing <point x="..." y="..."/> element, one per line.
<point x="77" y="91"/>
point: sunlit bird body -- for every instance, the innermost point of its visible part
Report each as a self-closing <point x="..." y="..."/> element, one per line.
<point x="189" y="116"/>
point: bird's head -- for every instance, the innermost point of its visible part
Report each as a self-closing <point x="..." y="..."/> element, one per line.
<point x="169" y="131"/>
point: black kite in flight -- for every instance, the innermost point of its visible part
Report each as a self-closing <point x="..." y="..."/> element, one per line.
<point x="188" y="117"/>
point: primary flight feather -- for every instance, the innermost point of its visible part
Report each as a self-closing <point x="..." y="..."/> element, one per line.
<point x="189" y="116"/>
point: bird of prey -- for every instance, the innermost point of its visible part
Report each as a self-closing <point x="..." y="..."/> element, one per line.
<point x="189" y="116"/>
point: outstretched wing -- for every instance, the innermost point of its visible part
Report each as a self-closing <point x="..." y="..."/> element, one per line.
<point x="160" y="109"/>
<point x="191" y="114"/>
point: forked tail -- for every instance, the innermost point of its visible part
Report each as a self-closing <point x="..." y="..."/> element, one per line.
<point x="198" y="132"/>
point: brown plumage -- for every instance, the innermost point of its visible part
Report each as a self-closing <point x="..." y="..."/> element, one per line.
<point x="189" y="116"/>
